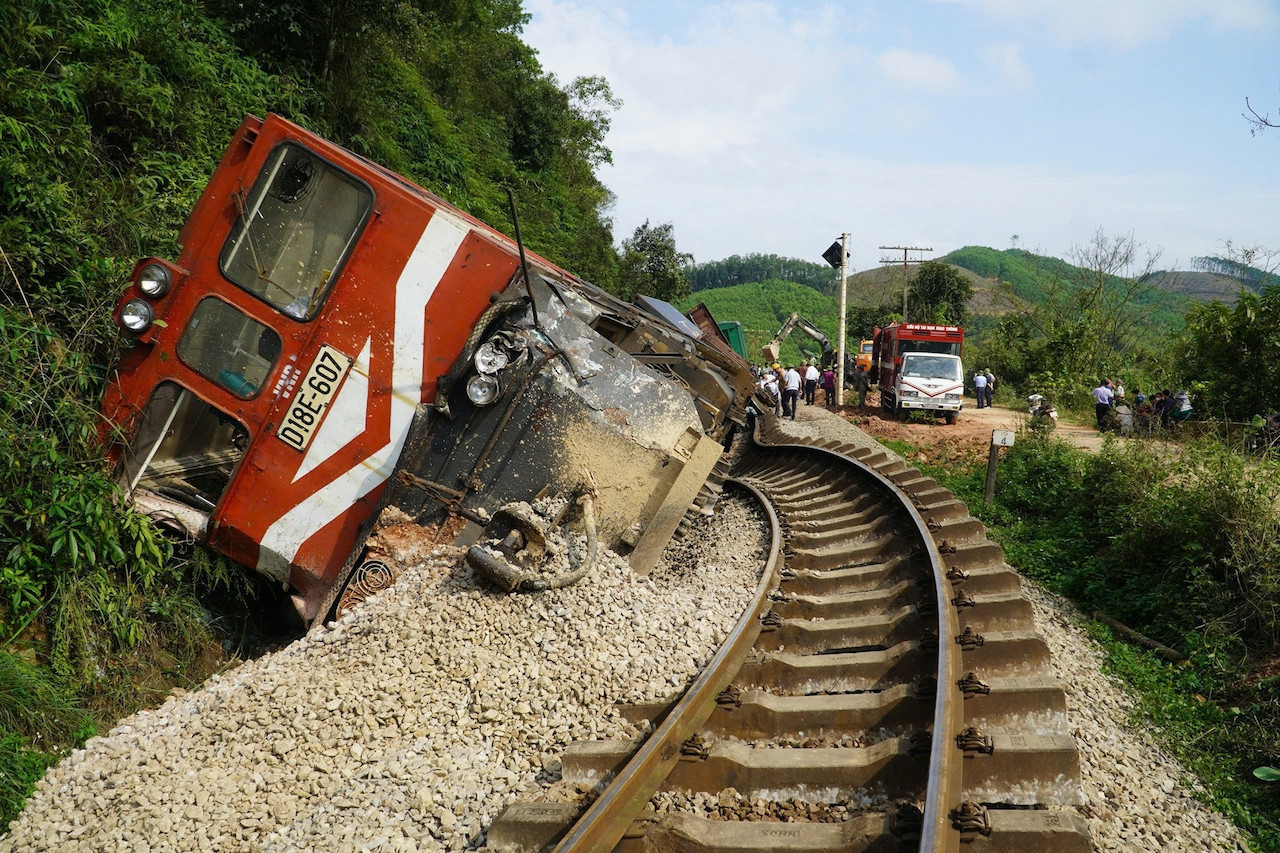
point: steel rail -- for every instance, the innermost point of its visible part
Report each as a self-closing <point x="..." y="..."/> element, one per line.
<point x="602" y="826"/>
<point x="945" y="768"/>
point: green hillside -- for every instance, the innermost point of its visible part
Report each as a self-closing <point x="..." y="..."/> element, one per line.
<point x="1034" y="278"/>
<point x="762" y="308"/>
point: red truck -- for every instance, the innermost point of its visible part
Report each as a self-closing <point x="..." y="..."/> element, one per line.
<point x="918" y="367"/>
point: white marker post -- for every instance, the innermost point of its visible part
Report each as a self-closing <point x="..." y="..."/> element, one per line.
<point x="999" y="438"/>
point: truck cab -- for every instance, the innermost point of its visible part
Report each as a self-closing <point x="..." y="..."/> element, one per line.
<point x="918" y="367"/>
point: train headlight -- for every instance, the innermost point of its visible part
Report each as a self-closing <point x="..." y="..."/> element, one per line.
<point x="154" y="280"/>
<point x="482" y="389"/>
<point x="490" y="358"/>
<point x="137" y="316"/>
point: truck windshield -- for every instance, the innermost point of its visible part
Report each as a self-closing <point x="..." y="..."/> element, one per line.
<point x="930" y="367"/>
<point x="294" y="230"/>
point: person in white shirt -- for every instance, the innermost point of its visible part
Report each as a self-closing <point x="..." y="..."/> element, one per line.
<point x="980" y="389"/>
<point x="790" y="391"/>
<point x="811" y="376"/>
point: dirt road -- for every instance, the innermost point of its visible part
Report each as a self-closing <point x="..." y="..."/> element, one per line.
<point x="969" y="437"/>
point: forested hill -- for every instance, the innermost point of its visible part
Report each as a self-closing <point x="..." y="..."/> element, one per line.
<point x="114" y="112"/>
<point x="754" y="267"/>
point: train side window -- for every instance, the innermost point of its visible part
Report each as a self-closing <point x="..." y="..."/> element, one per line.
<point x="294" y="230"/>
<point x="229" y="347"/>
<point x="186" y="449"/>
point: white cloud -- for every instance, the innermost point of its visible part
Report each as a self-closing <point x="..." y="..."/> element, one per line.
<point x="918" y="70"/>
<point x="1127" y="23"/>
<point x="736" y="75"/>
<point x="1007" y="61"/>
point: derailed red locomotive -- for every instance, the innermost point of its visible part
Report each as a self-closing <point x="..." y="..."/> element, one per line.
<point x="328" y="325"/>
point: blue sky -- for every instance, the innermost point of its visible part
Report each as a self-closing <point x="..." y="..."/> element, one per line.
<point x="773" y="127"/>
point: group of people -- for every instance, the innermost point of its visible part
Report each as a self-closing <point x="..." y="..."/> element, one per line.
<point x="984" y="383"/>
<point x="787" y="386"/>
<point x="1114" y="411"/>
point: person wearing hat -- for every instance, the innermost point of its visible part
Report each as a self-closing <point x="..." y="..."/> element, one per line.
<point x="811" y="376"/>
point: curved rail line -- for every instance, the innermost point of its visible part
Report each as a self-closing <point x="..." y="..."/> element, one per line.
<point x="886" y="690"/>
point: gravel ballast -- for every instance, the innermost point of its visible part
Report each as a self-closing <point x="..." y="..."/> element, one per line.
<point x="1138" y="799"/>
<point x="412" y="721"/>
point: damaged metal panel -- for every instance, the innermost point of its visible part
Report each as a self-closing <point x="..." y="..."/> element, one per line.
<point x="577" y="412"/>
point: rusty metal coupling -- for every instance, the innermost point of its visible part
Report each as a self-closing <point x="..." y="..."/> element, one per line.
<point x="971" y="686"/>
<point x="920" y="744"/>
<point x="730" y="697"/>
<point x="955" y="574"/>
<point x="972" y="740"/>
<point x="770" y="621"/>
<point x="946" y="548"/>
<point x="963" y="600"/>
<point x="970" y="639"/>
<point x="971" y="817"/>
<point x="695" y="748"/>
<point x="908" y="821"/>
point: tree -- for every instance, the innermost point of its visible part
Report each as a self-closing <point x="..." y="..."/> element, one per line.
<point x="1094" y="310"/>
<point x="1230" y="357"/>
<point x="939" y="294"/>
<point x="651" y="265"/>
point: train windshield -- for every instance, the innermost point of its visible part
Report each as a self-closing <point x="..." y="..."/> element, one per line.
<point x="294" y="230"/>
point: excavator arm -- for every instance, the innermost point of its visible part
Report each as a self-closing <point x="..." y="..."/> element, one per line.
<point x="795" y="321"/>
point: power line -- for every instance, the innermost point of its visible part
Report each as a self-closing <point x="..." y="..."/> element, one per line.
<point x="904" y="250"/>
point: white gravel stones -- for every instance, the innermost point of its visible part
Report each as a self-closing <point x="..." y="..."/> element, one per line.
<point x="408" y="724"/>
<point x="1138" y="799"/>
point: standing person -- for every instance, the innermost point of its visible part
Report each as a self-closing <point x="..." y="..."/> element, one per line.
<point x="1124" y="415"/>
<point x="1181" y="407"/>
<point x="991" y="386"/>
<point x="980" y="388"/>
<point x="811" y="384"/>
<point x="861" y="382"/>
<point x="1117" y="388"/>
<point x="790" y="391"/>
<point x="1102" y="397"/>
<point x="778" y="385"/>
<point x="829" y="386"/>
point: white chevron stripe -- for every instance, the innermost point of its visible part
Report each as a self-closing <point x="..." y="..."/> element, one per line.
<point x="346" y="416"/>
<point x="428" y="263"/>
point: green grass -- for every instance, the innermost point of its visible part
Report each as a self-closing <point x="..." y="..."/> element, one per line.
<point x="1187" y="560"/>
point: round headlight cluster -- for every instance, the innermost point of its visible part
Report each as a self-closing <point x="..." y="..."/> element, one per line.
<point x="490" y="358"/>
<point x="137" y="315"/>
<point x="507" y="347"/>
<point x="154" y="280"/>
<point x="482" y="389"/>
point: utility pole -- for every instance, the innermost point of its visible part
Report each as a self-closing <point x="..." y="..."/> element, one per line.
<point x="904" y="250"/>
<point x="840" y="248"/>
<point x="844" y="289"/>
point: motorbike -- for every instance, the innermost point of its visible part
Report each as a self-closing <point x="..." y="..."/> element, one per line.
<point x="1041" y="410"/>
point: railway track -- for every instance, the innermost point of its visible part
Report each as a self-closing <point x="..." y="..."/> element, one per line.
<point x="885" y="690"/>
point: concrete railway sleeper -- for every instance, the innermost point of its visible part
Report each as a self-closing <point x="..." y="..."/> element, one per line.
<point x="886" y="691"/>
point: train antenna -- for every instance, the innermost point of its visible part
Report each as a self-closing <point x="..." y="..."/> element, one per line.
<point x="524" y="264"/>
